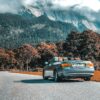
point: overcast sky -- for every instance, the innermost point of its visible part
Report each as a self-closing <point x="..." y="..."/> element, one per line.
<point x="92" y="4"/>
<point x="14" y="5"/>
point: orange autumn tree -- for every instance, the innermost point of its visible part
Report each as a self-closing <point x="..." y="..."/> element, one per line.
<point x="7" y="59"/>
<point x="12" y="61"/>
<point x="25" y="54"/>
<point x="47" y="51"/>
<point x="3" y="58"/>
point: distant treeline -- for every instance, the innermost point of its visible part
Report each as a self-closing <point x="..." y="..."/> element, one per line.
<point x="85" y="45"/>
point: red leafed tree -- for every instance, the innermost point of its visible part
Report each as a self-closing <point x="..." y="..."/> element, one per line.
<point x="3" y="60"/>
<point x="85" y="45"/>
<point x="47" y="51"/>
<point x="7" y="59"/>
<point x="25" y="54"/>
<point x="12" y="61"/>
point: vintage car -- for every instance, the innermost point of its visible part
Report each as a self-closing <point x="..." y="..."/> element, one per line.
<point x="67" y="69"/>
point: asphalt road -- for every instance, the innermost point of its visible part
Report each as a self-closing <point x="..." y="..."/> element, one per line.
<point x="27" y="87"/>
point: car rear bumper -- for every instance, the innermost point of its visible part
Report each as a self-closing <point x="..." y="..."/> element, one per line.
<point x="76" y="74"/>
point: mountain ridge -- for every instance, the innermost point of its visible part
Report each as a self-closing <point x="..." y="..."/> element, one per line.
<point x="25" y="27"/>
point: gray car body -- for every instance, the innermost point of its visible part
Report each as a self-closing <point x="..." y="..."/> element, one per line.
<point x="69" y="72"/>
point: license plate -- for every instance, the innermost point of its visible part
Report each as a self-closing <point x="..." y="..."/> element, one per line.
<point x="78" y="65"/>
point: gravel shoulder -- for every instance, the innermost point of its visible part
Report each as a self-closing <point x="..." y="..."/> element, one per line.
<point x="14" y="86"/>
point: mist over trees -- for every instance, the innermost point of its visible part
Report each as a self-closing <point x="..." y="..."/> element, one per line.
<point x="85" y="45"/>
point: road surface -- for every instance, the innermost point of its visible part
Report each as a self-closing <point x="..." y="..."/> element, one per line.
<point x="27" y="87"/>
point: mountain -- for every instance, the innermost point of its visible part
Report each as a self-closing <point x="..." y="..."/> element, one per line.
<point x="81" y="18"/>
<point x="33" y="25"/>
<point x="16" y="30"/>
<point x="70" y="16"/>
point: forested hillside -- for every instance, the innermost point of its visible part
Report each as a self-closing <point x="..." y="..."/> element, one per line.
<point x="16" y="30"/>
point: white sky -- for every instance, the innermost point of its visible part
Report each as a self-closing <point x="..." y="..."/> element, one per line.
<point x="13" y="5"/>
<point x="92" y="4"/>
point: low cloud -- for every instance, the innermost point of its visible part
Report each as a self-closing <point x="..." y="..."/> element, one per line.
<point x="13" y="5"/>
<point x="93" y="4"/>
<point x="9" y="6"/>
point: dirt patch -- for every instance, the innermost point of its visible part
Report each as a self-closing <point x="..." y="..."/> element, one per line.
<point x="96" y="76"/>
<point x="30" y="73"/>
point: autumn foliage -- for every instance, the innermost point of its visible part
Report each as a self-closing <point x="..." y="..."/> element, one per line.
<point x="47" y="51"/>
<point x="24" y="56"/>
<point x="7" y="59"/>
<point x="85" y="45"/>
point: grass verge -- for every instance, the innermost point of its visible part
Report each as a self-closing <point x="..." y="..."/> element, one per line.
<point x="96" y="76"/>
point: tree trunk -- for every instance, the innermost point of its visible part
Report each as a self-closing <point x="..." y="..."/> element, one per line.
<point x="21" y="66"/>
<point x="27" y="67"/>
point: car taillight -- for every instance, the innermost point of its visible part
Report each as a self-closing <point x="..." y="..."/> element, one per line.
<point x="66" y="65"/>
<point x="90" y="65"/>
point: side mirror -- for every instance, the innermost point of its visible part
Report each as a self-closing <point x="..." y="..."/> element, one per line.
<point x="46" y="63"/>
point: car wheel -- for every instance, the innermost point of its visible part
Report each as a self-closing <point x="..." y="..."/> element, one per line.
<point x="56" y="77"/>
<point x="87" y="79"/>
<point x="44" y="77"/>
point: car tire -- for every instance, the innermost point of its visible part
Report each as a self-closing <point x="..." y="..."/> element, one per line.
<point x="87" y="78"/>
<point x="56" y="77"/>
<point x="44" y="77"/>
